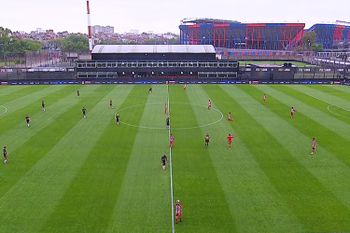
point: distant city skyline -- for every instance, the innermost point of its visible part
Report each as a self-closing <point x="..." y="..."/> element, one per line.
<point x="161" y="16"/>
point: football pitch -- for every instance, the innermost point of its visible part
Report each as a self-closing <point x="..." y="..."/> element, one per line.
<point x="70" y="174"/>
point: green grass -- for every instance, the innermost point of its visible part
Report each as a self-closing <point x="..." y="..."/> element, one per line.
<point x="69" y="174"/>
<point x="278" y="63"/>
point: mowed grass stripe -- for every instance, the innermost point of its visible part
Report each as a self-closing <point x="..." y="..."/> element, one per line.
<point x="334" y="90"/>
<point x="17" y="92"/>
<point x="28" y="148"/>
<point x="41" y="188"/>
<point x="11" y="90"/>
<point x="331" y="141"/>
<point x="143" y="203"/>
<point x="341" y="88"/>
<point x="298" y="187"/>
<point x="323" y="105"/>
<point x="312" y="112"/>
<point x="88" y="203"/>
<point x="196" y="182"/>
<point x="10" y="121"/>
<point x="254" y="202"/>
<point x="41" y="120"/>
<point x="324" y="94"/>
<point x="322" y="166"/>
<point x="35" y="94"/>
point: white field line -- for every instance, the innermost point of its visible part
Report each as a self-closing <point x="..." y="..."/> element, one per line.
<point x="5" y="110"/>
<point x="171" y="170"/>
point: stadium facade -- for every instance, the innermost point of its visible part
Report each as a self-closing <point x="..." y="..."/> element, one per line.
<point x="140" y="62"/>
<point x="262" y="36"/>
<point x="330" y="35"/>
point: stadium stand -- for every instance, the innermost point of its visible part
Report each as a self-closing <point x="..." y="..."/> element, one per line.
<point x="156" y="61"/>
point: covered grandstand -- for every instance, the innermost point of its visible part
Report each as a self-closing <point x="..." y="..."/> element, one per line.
<point x="155" y="62"/>
<point x="154" y="52"/>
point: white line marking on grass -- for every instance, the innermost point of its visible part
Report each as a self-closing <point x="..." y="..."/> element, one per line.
<point x="334" y="113"/>
<point x="162" y="128"/>
<point x="171" y="170"/>
<point x="5" y="110"/>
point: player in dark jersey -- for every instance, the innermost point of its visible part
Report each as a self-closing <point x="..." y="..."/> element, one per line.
<point x="206" y="140"/>
<point x="150" y="90"/>
<point x="28" y="120"/>
<point x="209" y="104"/>
<point x="110" y="104"/>
<point x="265" y="98"/>
<point x="84" y="111"/>
<point x="313" y="146"/>
<point x="78" y="93"/>
<point x="4" y="154"/>
<point x="229" y="116"/>
<point x="167" y="122"/>
<point x="163" y="161"/>
<point x="43" y="106"/>
<point x="117" y="119"/>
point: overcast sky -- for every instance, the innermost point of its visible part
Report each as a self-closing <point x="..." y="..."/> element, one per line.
<point x="163" y="15"/>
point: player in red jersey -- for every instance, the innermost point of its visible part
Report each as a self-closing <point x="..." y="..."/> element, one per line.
<point x="172" y="141"/>
<point x="292" y="112"/>
<point x="229" y="116"/>
<point x="229" y="140"/>
<point x="178" y="211"/>
<point x="313" y="146"/>
<point x="209" y="104"/>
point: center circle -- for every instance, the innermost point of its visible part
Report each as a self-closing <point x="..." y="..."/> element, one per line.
<point x="338" y="111"/>
<point x="203" y="108"/>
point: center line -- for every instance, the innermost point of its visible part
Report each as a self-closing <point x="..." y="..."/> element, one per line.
<point x="171" y="169"/>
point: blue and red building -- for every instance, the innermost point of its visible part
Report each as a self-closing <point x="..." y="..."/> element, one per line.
<point x="331" y="35"/>
<point x="261" y="36"/>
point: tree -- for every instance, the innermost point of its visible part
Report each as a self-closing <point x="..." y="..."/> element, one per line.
<point x="309" y="42"/>
<point x="5" y="39"/>
<point x="22" y="46"/>
<point x="75" y="43"/>
<point x="11" y="45"/>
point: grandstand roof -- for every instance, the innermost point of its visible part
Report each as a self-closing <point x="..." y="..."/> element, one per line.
<point x="153" y="49"/>
<point x="207" y="20"/>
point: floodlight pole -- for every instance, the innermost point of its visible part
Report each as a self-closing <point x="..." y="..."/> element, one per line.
<point x="91" y="42"/>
